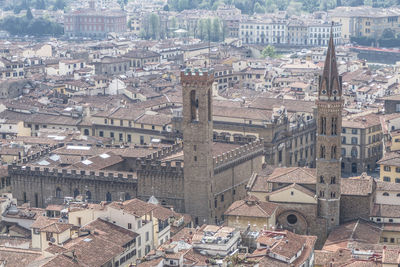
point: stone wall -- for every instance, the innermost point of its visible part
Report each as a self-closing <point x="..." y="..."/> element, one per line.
<point x="308" y="222"/>
<point x="390" y="106"/>
<point x="163" y="181"/>
<point x="39" y="186"/>
<point x="354" y="207"/>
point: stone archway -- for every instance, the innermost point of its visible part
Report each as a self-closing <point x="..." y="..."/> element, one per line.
<point x="294" y="221"/>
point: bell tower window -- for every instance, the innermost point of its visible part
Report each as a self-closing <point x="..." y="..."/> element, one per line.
<point x="333" y="152"/>
<point x="194" y="106"/>
<point x="334" y="126"/>
<point x="322" y="152"/>
<point x="323" y="125"/>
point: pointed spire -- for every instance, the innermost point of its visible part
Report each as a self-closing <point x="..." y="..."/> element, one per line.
<point x="330" y="81"/>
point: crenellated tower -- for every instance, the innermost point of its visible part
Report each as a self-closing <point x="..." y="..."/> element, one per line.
<point x="198" y="140"/>
<point x="329" y="108"/>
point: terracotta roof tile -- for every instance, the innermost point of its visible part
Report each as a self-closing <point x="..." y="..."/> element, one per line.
<point x="251" y="208"/>
<point x="298" y="175"/>
<point x="135" y="207"/>
<point x="357" y="186"/>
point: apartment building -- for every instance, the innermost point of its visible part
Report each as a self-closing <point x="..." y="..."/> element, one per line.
<point x="95" y="24"/>
<point x="365" y="21"/>
<point x="289" y="32"/>
<point x="263" y="31"/>
<point x="362" y="143"/>
<point x="319" y="33"/>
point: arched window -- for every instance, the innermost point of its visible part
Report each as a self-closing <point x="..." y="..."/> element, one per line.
<point x="127" y="196"/>
<point x="334" y="126"/>
<point x="24" y="196"/>
<point x="76" y="192"/>
<point x="36" y="200"/>
<point x="108" y="197"/>
<point x="194" y="104"/>
<point x="386" y="194"/>
<point x="354" y="152"/>
<point x="323" y="125"/>
<point x="322" y="152"/>
<point x="88" y="195"/>
<point x="333" y="194"/>
<point x="86" y="132"/>
<point x="321" y="179"/>
<point x="333" y="152"/>
<point x="58" y="192"/>
<point x="321" y="193"/>
<point x="333" y="180"/>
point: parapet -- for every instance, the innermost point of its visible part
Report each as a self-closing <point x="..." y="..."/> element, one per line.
<point x="166" y="151"/>
<point x="238" y="155"/>
<point x="38" y="154"/>
<point x="71" y="173"/>
<point x="159" y="168"/>
<point x="197" y="76"/>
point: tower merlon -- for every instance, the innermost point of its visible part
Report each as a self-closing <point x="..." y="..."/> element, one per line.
<point x="194" y="76"/>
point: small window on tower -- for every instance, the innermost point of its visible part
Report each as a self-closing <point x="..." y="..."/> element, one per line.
<point x="195" y="158"/>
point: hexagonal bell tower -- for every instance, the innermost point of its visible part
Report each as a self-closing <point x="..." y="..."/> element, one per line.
<point x="329" y="109"/>
<point x="197" y="128"/>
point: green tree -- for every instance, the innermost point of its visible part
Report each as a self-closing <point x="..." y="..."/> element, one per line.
<point x="294" y="8"/>
<point x="282" y="4"/>
<point x="59" y="5"/>
<point x="216" y="30"/>
<point x="154" y="26"/>
<point x="269" y="51"/>
<point x="310" y="5"/>
<point x="388" y="34"/>
<point x="259" y="9"/>
<point x="29" y="15"/>
<point x="270" y="6"/>
<point x="40" y="4"/>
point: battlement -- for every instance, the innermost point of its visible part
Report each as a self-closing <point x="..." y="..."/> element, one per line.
<point x="244" y="152"/>
<point x="72" y="174"/>
<point x="165" y="152"/>
<point x="195" y="76"/>
<point x="165" y="168"/>
<point x="38" y="154"/>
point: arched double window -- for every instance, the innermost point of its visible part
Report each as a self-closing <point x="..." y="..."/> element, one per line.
<point x="108" y="197"/>
<point x="88" y="195"/>
<point x="58" y="192"/>
<point x="354" y="152"/>
<point x="323" y="125"/>
<point x="76" y="192"/>
<point x="194" y="106"/>
<point x="333" y="152"/>
<point x="334" y="126"/>
<point x="322" y="152"/>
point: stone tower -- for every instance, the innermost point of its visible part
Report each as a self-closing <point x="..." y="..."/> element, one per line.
<point x="329" y="109"/>
<point x="197" y="128"/>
